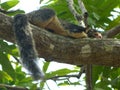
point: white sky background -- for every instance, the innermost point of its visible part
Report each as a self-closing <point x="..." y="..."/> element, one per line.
<point x="28" y="5"/>
<point x="31" y="5"/>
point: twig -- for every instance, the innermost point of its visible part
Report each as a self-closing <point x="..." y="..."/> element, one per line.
<point x="77" y="16"/>
<point x="47" y="86"/>
<point x="17" y="59"/>
<point x="82" y="70"/>
<point x="82" y="7"/>
<point x="65" y="76"/>
<point x="9" y="12"/>
<point x="5" y="12"/>
<point x="87" y="68"/>
<point x="12" y="88"/>
<point x="84" y="13"/>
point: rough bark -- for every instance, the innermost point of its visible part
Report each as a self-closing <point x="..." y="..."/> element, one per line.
<point x="62" y="49"/>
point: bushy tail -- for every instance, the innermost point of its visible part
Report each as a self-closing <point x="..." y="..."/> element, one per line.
<point x="26" y="45"/>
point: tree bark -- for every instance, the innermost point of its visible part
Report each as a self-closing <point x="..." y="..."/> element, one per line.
<point x="62" y="49"/>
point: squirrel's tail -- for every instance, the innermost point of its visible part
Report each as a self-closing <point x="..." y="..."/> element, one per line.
<point x="26" y="45"/>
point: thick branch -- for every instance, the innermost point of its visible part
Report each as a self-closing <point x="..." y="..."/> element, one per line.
<point x="66" y="50"/>
<point x="114" y="31"/>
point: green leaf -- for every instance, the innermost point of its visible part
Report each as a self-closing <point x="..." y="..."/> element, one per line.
<point x="97" y="17"/>
<point x="106" y="72"/>
<point x="68" y="83"/>
<point x="42" y="85"/>
<point x="46" y="65"/>
<point x="113" y="23"/>
<point x="5" y="76"/>
<point x="64" y="83"/>
<point x="102" y="86"/>
<point x="3" y="88"/>
<point x="20" y="75"/>
<point x="102" y="10"/>
<point x="114" y="73"/>
<point x="34" y="87"/>
<point x="61" y="9"/>
<point x="6" y="65"/>
<point x="60" y="72"/>
<point x="9" y="4"/>
<point x="116" y="83"/>
<point x="21" y="79"/>
<point x="96" y="71"/>
<point x="27" y="81"/>
<point x="8" y="48"/>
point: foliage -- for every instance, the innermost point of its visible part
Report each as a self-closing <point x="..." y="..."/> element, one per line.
<point x="100" y="16"/>
<point x="99" y="12"/>
<point x="8" y="5"/>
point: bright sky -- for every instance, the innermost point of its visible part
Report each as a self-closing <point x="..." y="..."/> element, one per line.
<point x="28" y="6"/>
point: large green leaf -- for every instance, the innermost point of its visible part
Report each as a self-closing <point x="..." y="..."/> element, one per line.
<point x="6" y="65"/>
<point x="46" y="65"/>
<point x="60" y="72"/>
<point x="4" y="76"/>
<point x="9" y="4"/>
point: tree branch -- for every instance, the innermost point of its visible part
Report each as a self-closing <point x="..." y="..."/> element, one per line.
<point x="88" y="72"/>
<point x="62" y="49"/>
<point x="77" y="16"/>
<point x="82" y="7"/>
<point x="114" y="31"/>
<point x="11" y="87"/>
<point x="84" y="13"/>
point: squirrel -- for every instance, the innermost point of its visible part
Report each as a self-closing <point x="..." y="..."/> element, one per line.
<point x="47" y="19"/>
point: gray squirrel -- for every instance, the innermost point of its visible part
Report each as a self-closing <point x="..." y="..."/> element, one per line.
<point x="47" y="19"/>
